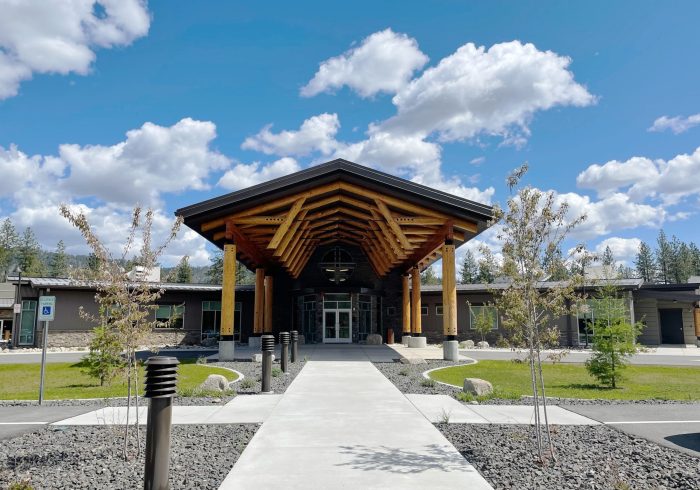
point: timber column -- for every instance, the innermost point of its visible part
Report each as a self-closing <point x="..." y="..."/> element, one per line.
<point x="406" y="310"/>
<point x="450" y="346"/>
<point x="228" y="304"/>
<point x="268" y="305"/>
<point x="416" y="340"/>
<point x="259" y="309"/>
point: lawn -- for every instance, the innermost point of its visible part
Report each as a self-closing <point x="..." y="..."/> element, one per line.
<point x="67" y="380"/>
<point x="510" y="379"/>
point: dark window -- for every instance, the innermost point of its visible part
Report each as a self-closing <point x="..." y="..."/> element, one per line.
<point x="170" y="316"/>
<point x="211" y="320"/>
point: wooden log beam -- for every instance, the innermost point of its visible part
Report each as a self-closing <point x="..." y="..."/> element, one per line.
<point x="244" y="244"/>
<point x="406" y="305"/>
<point x="268" y="304"/>
<point x="259" y="308"/>
<point x="415" y="302"/>
<point x="449" y="291"/>
<point x="289" y="236"/>
<point x="228" y="292"/>
<point x="288" y="221"/>
<point x="393" y="225"/>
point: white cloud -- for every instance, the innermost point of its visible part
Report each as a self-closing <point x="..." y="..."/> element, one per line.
<point x="382" y="62"/>
<point x="624" y="249"/>
<point x="453" y="185"/>
<point x="677" y="124"/>
<point x="317" y="133"/>
<point x="242" y="175"/>
<point x="60" y="36"/>
<point x="477" y="160"/>
<point x="669" y="181"/>
<point x="493" y="92"/>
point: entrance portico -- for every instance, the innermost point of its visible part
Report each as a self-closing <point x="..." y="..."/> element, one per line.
<point x="334" y="249"/>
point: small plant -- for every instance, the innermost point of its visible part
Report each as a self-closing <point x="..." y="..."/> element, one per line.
<point x="104" y="362"/>
<point x="465" y="397"/>
<point x="197" y="392"/>
<point x="276" y="372"/>
<point x="306" y="358"/>
<point x="247" y="383"/>
<point x="21" y="485"/>
<point x="445" y="416"/>
<point x="202" y="360"/>
<point x="428" y="383"/>
<point x="404" y="372"/>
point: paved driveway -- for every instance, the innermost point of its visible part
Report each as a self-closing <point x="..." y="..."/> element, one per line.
<point x="672" y="425"/>
<point x="17" y="420"/>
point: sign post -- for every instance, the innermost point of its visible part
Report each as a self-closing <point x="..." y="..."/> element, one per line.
<point x="47" y="308"/>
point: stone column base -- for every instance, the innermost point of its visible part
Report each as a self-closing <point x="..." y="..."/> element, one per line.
<point x="226" y="350"/>
<point x="254" y="342"/>
<point x="405" y="339"/>
<point x="450" y="350"/>
<point x="417" y="342"/>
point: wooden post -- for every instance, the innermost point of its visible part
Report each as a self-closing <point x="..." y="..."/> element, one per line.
<point x="696" y="314"/>
<point x="228" y="292"/>
<point x="259" y="309"/>
<point x="268" y="304"/>
<point x="415" y="302"/>
<point x="406" y="305"/>
<point x="449" y="291"/>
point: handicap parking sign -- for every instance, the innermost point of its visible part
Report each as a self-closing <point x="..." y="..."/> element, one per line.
<point x="47" y="307"/>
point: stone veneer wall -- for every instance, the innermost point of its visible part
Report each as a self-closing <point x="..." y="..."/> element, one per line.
<point x="156" y="337"/>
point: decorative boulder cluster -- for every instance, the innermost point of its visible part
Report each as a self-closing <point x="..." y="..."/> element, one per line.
<point x="214" y="382"/>
<point x="477" y="387"/>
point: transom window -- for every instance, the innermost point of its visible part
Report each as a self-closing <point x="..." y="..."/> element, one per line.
<point x="478" y="312"/>
<point x="337" y="265"/>
<point x="336" y="301"/>
<point x="170" y="316"/>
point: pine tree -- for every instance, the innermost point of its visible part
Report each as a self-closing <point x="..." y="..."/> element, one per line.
<point x="184" y="271"/>
<point x="8" y="245"/>
<point x="608" y="258"/>
<point x="428" y="277"/>
<point x="28" y="254"/>
<point x="695" y="254"/>
<point x="486" y="271"/>
<point x="59" y="261"/>
<point x="215" y="274"/>
<point x="646" y="268"/>
<point x="664" y="256"/>
<point x="554" y="265"/>
<point x="469" y="271"/>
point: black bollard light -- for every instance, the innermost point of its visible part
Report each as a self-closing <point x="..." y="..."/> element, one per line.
<point x="284" y="356"/>
<point x="161" y="385"/>
<point x="267" y="345"/>
<point x="295" y="344"/>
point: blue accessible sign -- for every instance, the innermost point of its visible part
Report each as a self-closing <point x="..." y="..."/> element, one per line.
<point x="47" y="308"/>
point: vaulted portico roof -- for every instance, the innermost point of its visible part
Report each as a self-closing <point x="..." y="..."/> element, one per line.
<point x="279" y="223"/>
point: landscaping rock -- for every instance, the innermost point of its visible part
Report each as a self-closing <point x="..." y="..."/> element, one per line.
<point x="483" y="345"/>
<point x="214" y="382"/>
<point x="477" y="387"/>
<point x="258" y="357"/>
<point x="413" y="360"/>
<point x="374" y="339"/>
<point x="210" y="342"/>
<point x="466" y="344"/>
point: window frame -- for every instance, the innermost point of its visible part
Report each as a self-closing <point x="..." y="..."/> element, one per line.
<point x="472" y="315"/>
<point x="439" y="310"/>
<point x="167" y="324"/>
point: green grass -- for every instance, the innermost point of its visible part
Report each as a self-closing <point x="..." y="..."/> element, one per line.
<point x="67" y="380"/>
<point x="510" y="379"/>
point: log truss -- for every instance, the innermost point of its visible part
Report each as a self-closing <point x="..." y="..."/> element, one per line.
<point x="393" y="233"/>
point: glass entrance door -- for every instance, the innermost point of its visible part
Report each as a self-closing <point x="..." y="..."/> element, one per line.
<point x="337" y="326"/>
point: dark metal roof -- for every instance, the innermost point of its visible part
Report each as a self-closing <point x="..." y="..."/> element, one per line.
<point x="328" y="172"/>
<point x="66" y="283"/>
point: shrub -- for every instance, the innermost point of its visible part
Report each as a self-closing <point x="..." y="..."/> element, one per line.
<point x="428" y="383"/>
<point x="104" y="362"/>
<point x="247" y="383"/>
<point x="276" y="372"/>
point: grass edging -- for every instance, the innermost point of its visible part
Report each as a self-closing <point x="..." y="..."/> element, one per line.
<point x="426" y="374"/>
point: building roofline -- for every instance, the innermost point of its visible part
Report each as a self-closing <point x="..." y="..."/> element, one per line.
<point x="76" y="284"/>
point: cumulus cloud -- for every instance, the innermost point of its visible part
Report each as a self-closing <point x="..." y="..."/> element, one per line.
<point x="317" y="133"/>
<point x="383" y="62"/>
<point x="642" y="178"/>
<point x="624" y="249"/>
<point x="477" y="91"/>
<point x="242" y="175"/>
<point x="60" y="36"/>
<point x="677" y="124"/>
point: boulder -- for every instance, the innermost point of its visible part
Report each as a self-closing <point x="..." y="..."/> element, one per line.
<point x="413" y="360"/>
<point x="374" y="339"/>
<point x="210" y="342"/>
<point x="257" y="357"/>
<point x="466" y="344"/>
<point x="477" y="387"/>
<point x="483" y="345"/>
<point x="214" y="382"/>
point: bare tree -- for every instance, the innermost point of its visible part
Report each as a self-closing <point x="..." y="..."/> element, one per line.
<point x="533" y="227"/>
<point x="126" y="303"/>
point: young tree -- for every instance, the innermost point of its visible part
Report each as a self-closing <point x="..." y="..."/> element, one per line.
<point x="483" y="323"/>
<point x="664" y="257"/>
<point x="428" y="277"/>
<point x="533" y="225"/>
<point x="644" y="263"/>
<point x="104" y="361"/>
<point x="28" y="254"/>
<point x="8" y="245"/>
<point x="59" y="262"/>
<point x="614" y="336"/>
<point x="469" y="271"/>
<point x="126" y="305"/>
<point x="184" y="271"/>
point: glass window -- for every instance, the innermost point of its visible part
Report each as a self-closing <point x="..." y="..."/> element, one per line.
<point x="595" y="310"/>
<point x="365" y="317"/>
<point x="478" y="311"/>
<point x="423" y="310"/>
<point x="211" y="319"/>
<point x="336" y="301"/>
<point x="438" y="309"/>
<point x="308" y="321"/>
<point x="26" y="327"/>
<point x="170" y="316"/>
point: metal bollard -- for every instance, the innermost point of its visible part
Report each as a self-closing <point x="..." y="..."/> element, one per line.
<point x="161" y="384"/>
<point x="267" y="345"/>
<point x="284" y="356"/>
<point x="295" y="344"/>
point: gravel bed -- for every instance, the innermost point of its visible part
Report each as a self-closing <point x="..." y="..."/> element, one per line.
<point x="591" y="457"/>
<point x="253" y="370"/>
<point x="408" y="378"/>
<point x="90" y="457"/>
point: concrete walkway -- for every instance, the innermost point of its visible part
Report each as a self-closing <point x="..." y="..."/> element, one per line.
<point x="342" y="424"/>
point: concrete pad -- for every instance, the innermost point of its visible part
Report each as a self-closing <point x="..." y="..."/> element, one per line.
<point x="524" y="414"/>
<point x="437" y="407"/>
<point x="245" y="409"/>
<point x="417" y="343"/>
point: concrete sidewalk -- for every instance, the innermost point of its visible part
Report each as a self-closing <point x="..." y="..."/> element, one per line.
<point x="342" y="424"/>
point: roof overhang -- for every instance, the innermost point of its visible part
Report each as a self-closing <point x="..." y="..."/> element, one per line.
<point x="397" y="223"/>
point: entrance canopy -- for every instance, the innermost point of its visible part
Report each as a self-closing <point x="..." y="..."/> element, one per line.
<point x="278" y="224"/>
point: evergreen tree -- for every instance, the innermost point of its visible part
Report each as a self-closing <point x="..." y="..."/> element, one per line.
<point x="664" y="256"/>
<point x="184" y="271"/>
<point x="554" y="265"/>
<point x="608" y="258"/>
<point x="624" y="272"/>
<point x="215" y="274"/>
<point x="646" y="268"/>
<point x="469" y="271"/>
<point x="486" y="271"/>
<point x="695" y="255"/>
<point x="28" y="254"/>
<point x="428" y="277"/>
<point x="682" y="265"/>
<point x="243" y="275"/>
<point x="59" y="261"/>
<point x="8" y="246"/>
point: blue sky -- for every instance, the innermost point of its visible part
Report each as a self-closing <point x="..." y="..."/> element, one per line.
<point x="127" y="103"/>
